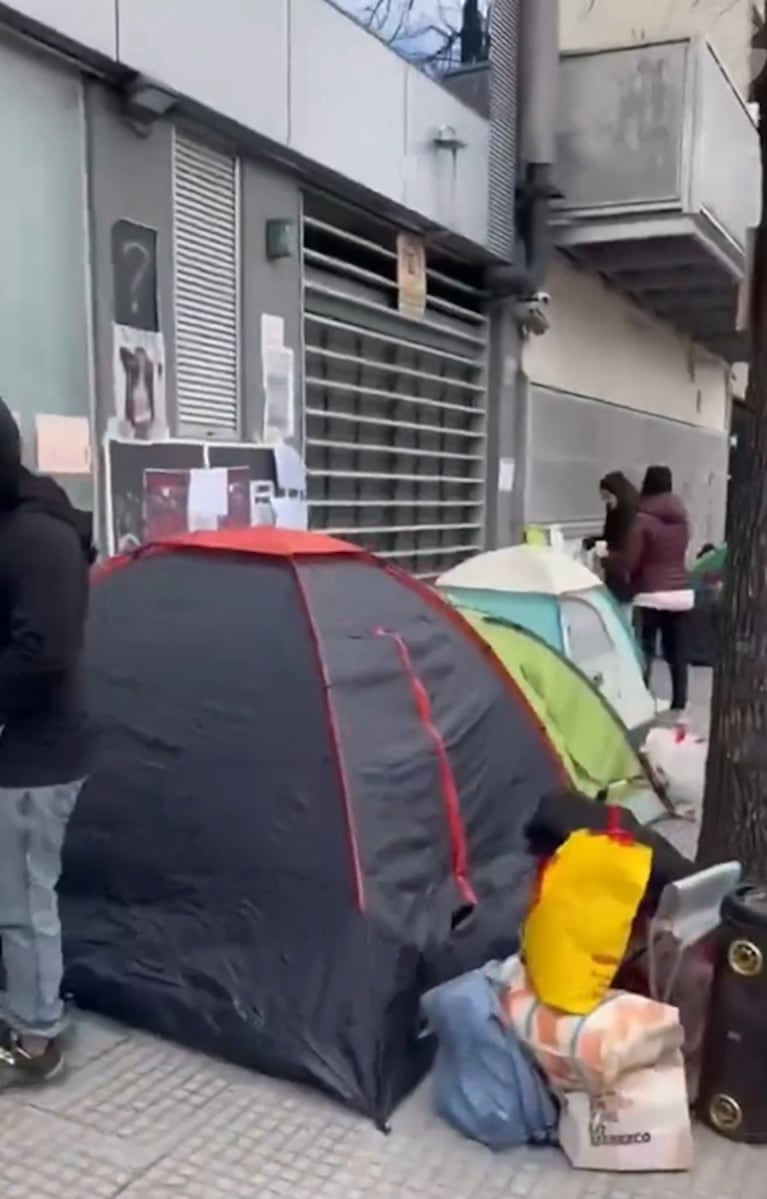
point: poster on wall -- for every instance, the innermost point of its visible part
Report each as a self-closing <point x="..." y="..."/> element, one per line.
<point x="134" y="276"/>
<point x="138" y="371"/>
<point x="189" y="501"/>
<point x="140" y="411"/>
<point x="160" y="489"/>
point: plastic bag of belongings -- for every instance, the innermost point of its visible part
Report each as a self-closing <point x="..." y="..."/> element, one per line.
<point x="677" y="757"/>
<point x="623" y="1032"/>
<point x="486" y="1085"/>
<point x="618" y="1073"/>
<point x="614" y="1095"/>
<point x="641" y="1124"/>
<point x="615" y="1071"/>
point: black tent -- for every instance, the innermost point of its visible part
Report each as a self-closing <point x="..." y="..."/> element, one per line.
<point x="309" y="805"/>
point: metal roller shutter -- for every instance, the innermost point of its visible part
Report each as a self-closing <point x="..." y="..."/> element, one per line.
<point x="573" y="439"/>
<point x="206" y="259"/>
<point x="395" y="406"/>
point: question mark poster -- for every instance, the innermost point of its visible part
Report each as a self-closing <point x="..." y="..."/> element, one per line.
<point x="140" y="411"/>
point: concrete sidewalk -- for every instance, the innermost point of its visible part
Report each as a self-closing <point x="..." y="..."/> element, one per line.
<point x="142" y="1119"/>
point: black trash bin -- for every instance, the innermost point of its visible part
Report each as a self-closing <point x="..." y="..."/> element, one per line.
<point x="733" y="1092"/>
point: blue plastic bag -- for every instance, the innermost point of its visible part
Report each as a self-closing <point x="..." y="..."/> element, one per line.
<point x="485" y="1084"/>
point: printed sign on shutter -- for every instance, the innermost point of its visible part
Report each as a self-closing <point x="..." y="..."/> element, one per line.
<point x="411" y="275"/>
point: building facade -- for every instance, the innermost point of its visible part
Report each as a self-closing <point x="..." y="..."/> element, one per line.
<point x="229" y="226"/>
<point x="257" y="218"/>
<point x="658" y="173"/>
<point x="605" y="24"/>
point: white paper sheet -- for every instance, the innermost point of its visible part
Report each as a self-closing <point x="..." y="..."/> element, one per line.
<point x="289" y="468"/>
<point x="279" y="374"/>
<point x="272" y="332"/>
<point x="290" y="513"/>
<point x="197" y="523"/>
<point x="63" y="444"/>
<point x="261" y="511"/>
<point x="208" y="497"/>
<point x="506" y="470"/>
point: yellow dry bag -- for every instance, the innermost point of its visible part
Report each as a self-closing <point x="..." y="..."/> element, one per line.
<point x="579" y="924"/>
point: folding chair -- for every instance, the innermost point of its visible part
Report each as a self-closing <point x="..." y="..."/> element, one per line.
<point x="688" y="910"/>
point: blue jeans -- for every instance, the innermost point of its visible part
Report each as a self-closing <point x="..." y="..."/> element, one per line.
<point x="33" y="821"/>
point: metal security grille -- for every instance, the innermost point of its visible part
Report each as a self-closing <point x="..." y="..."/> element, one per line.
<point x="206" y="258"/>
<point x="395" y="406"/>
<point x="570" y="437"/>
<point x="505" y="28"/>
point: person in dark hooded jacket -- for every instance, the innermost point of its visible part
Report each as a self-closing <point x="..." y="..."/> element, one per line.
<point x="621" y="500"/>
<point x="654" y="563"/>
<point x="46" y="549"/>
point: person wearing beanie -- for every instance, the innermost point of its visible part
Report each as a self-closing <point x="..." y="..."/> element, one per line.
<point x="46" y="549"/>
<point x="654" y="563"/>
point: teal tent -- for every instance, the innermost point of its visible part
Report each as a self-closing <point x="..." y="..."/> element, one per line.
<point x="569" y="608"/>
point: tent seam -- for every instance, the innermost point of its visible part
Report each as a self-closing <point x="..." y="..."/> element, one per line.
<point x="451" y="802"/>
<point x="335" y="741"/>
<point x="458" y="622"/>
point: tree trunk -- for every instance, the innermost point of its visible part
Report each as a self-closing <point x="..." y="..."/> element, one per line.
<point x="735" y="804"/>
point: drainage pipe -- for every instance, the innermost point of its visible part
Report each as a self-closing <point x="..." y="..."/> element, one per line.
<point x="538" y="101"/>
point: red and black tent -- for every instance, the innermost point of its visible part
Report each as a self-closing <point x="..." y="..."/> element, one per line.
<point x="308" y="806"/>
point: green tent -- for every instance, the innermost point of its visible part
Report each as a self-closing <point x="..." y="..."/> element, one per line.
<point x="592" y="742"/>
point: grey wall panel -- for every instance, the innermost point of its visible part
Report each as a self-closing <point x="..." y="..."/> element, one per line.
<point x="130" y="178"/>
<point x="621" y="124"/>
<point x="268" y="287"/>
<point x="573" y="440"/>
<point x="45" y="350"/>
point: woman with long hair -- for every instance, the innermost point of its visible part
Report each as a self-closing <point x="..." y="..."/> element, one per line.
<point x="621" y="500"/>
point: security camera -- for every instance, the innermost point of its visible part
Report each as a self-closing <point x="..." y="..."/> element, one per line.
<point x="531" y="312"/>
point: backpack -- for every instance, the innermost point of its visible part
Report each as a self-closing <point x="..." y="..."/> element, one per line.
<point x="485" y="1084"/>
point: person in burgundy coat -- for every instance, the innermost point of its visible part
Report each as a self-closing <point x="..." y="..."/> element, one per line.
<point x="655" y="565"/>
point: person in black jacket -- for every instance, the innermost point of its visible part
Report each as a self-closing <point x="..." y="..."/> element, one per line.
<point x="621" y="500"/>
<point x="45" y="551"/>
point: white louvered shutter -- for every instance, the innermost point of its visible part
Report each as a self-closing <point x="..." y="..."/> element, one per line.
<point x="206" y="256"/>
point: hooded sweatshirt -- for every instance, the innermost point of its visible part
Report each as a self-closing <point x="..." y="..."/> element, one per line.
<point x="46" y="549"/>
<point x="654" y="560"/>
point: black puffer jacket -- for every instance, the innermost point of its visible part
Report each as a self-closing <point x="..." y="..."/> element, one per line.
<point x="46" y="548"/>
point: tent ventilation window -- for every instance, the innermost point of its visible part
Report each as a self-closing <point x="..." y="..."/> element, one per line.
<point x="395" y="406"/>
<point x="206" y="259"/>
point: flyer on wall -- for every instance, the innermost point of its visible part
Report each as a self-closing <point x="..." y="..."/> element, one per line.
<point x="279" y="389"/>
<point x="140" y="411"/>
<point x="187" y="501"/>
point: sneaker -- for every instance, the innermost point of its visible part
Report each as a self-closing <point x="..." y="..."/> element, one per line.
<point x="18" y="1068"/>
